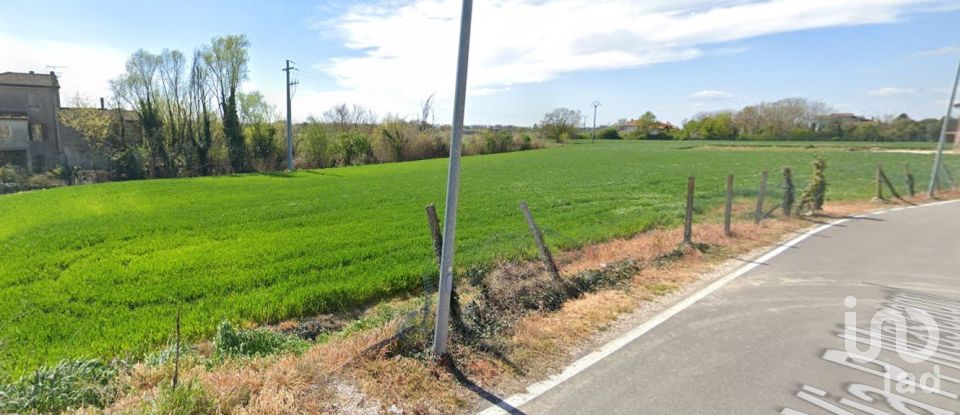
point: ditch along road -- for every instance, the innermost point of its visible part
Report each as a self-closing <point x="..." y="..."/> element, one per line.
<point x="770" y="338"/>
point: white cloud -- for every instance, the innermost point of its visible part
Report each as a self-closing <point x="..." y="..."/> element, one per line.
<point x="86" y="69"/>
<point x="889" y="91"/>
<point x="713" y="95"/>
<point x="409" y="48"/>
<point x="946" y="50"/>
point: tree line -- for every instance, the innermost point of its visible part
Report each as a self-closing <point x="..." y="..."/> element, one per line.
<point x="787" y="119"/>
<point x="177" y="115"/>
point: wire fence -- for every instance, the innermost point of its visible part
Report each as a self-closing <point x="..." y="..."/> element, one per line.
<point x="478" y="319"/>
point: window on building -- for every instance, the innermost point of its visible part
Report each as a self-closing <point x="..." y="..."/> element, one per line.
<point x="39" y="164"/>
<point x="38" y="131"/>
<point x="5" y="132"/>
<point x="15" y="158"/>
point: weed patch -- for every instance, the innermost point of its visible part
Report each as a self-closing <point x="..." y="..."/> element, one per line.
<point x="68" y="385"/>
<point x="238" y="342"/>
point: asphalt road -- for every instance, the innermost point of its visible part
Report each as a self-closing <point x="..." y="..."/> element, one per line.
<point x="770" y="341"/>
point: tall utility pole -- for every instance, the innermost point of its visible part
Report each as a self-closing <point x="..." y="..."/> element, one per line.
<point x="937" y="159"/>
<point x="595" y="105"/>
<point x="289" y="117"/>
<point x="441" y="332"/>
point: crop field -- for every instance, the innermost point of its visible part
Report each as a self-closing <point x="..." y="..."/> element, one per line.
<point x="99" y="270"/>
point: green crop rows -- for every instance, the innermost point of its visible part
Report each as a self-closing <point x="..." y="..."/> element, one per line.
<point x="98" y="271"/>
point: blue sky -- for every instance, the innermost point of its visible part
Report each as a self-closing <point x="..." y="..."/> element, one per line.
<point x="673" y="57"/>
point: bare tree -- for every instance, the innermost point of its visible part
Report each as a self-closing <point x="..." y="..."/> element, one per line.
<point x="344" y="117"/>
<point x="426" y="109"/>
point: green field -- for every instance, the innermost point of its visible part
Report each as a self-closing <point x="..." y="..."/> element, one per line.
<point x="99" y="270"/>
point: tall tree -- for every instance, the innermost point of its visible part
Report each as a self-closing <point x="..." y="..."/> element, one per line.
<point x="174" y="86"/>
<point x="227" y="60"/>
<point x="138" y="87"/>
<point x="201" y="124"/>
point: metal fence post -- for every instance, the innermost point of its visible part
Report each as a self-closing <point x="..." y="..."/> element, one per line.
<point x="441" y="333"/>
<point x="938" y="158"/>
<point x="879" y="180"/>
<point x="758" y="214"/>
<point x="688" y="219"/>
<point x="728" y="207"/>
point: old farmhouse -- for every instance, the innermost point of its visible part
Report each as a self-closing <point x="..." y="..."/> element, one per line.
<point x="31" y="136"/>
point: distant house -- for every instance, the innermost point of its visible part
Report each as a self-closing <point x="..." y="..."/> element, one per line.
<point x="29" y="133"/>
<point x="833" y="121"/>
<point x="656" y="128"/>
<point x="31" y="136"/>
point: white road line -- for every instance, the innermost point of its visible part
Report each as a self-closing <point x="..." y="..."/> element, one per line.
<point x="539" y="388"/>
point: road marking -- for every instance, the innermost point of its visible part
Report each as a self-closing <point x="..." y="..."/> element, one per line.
<point x="533" y="391"/>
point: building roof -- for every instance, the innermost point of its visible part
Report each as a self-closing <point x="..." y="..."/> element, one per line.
<point x="655" y="124"/>
<point x="128" y="116"/>
<point x="29" y="79"/>
<point x="13" y="115"/>
<point x="843" y="116"/>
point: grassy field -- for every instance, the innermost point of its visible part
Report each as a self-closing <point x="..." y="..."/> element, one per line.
<point x="99" y="270"/>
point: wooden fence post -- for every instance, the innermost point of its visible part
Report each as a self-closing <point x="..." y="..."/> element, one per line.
<point x="911" y="182"/>
<point x="541" y="245"/>
<point x="176" y="359"/>
<point x="728" y="207"/>
<point x="758" y="214"/>
<point x="879" y="196"/>
<point x="434" y="224"/>
<point x="688" y="220"/>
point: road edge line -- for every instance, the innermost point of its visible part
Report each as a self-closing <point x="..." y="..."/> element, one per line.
<point x="510" y="404"/>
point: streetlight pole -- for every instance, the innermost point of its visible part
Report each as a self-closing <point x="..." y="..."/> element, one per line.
<point x="937" y="159"/>
<point x="441" y="332"/>
<point x="594" y="132"/>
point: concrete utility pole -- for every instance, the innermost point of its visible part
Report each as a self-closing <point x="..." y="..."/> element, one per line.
<point x="595" y="105"/>
<point x="937" y="159"/>
<point x="289" y="117"/>
<point x="441" y="333"/>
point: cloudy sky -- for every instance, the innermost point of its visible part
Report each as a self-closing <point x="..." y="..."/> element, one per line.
<point x="673" y="57"/>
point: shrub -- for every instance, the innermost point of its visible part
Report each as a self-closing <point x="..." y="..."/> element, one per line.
<point x="265" y="149"/>
<point x="69" y="385"/>
<point x="497" y="141"/>
<point x="313" y="148"/>
<point x="11" y="181"/>
<point x="609" y="134"/>
<point x="237" y="342"/>
<point x="352" y="147"/>
<point x="814" y="194"/>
